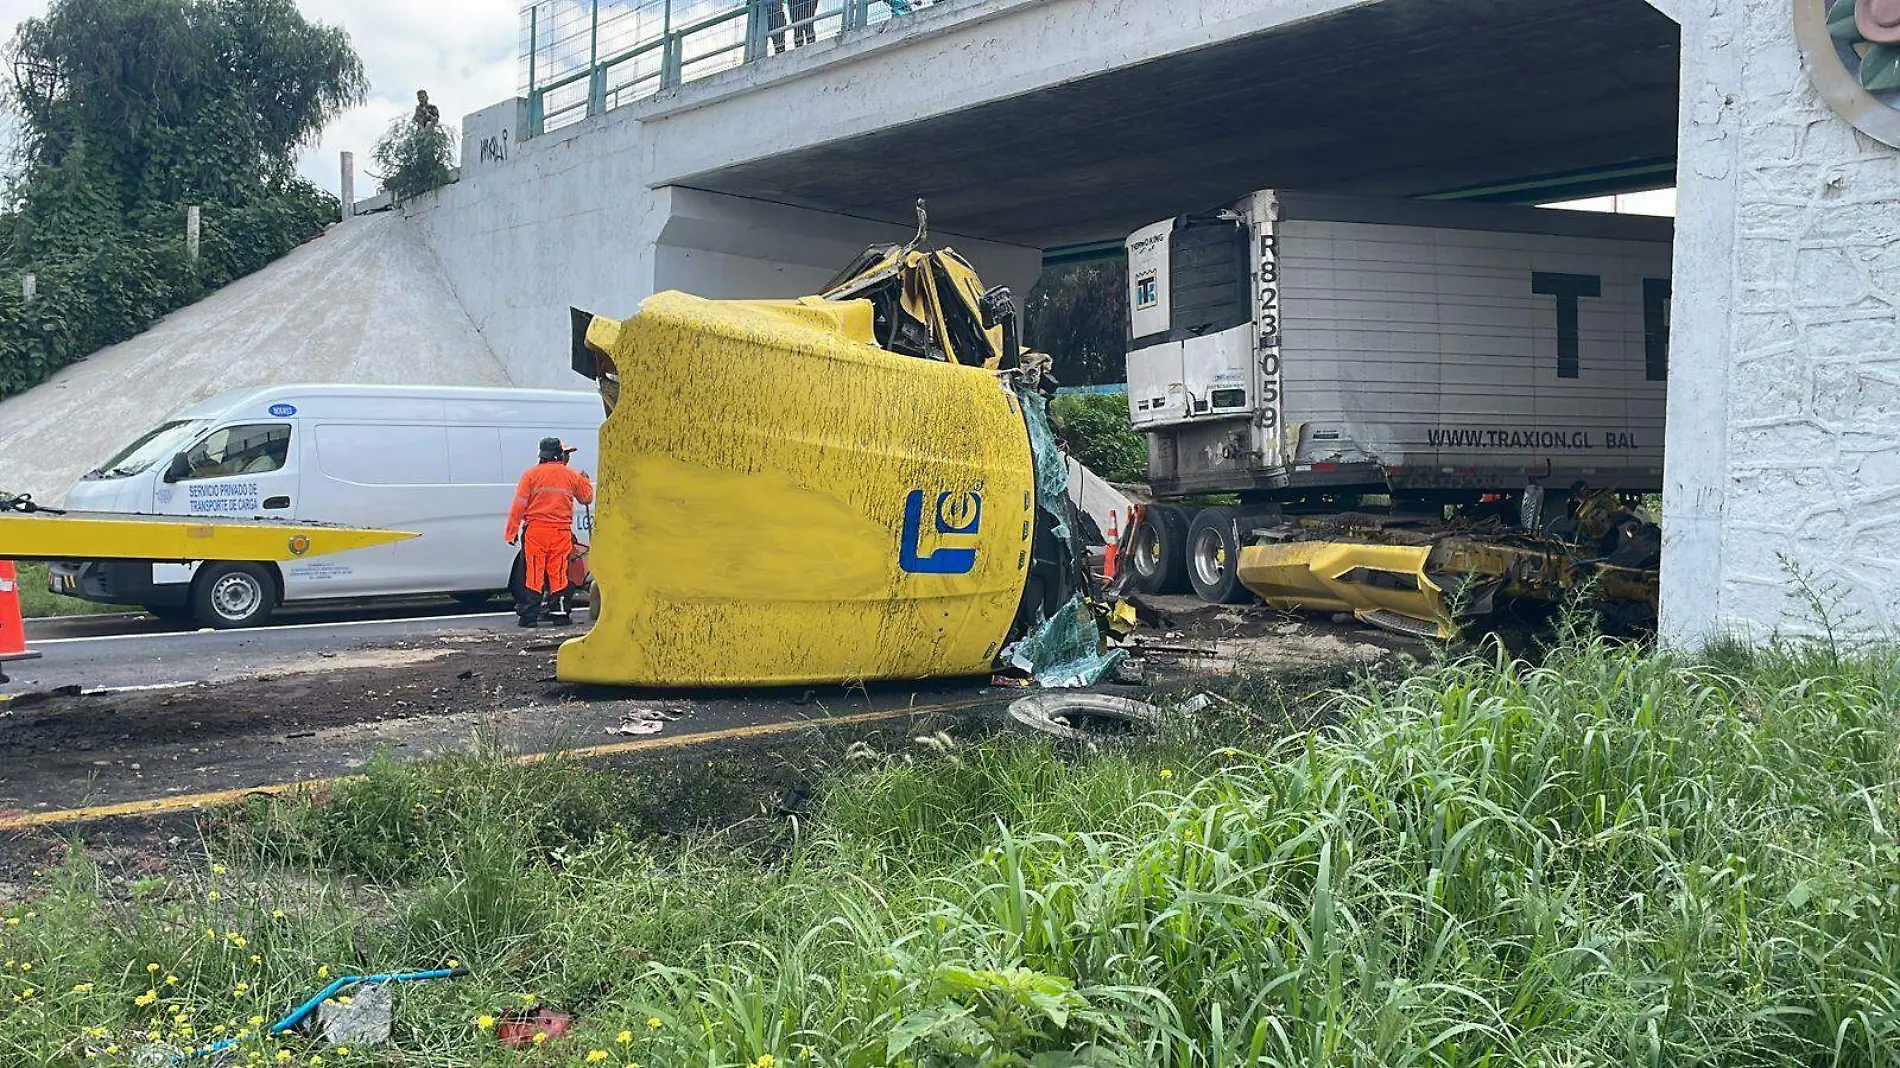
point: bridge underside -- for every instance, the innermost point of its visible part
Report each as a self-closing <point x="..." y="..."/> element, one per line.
<point x="1486" y="99"/>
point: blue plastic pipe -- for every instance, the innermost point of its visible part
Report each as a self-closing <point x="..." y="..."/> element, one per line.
<point x="337" y="986"/>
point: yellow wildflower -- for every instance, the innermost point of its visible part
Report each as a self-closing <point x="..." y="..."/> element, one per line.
<point x="26" y="965"/>
<point x="240" y="988"/>
<point x="13" y="921"/>
<point x="212" y="896"/>
<point x="653" y="1022"/>
<point x="146" y="998"/>
<point x="1167" y="773"/>
<point x="624" y="1037"/>
<point x="766" y="1060"/>
<point x="323" y="972"/>
<point x="255" y="959"/>
<point x="283" y="1056"/>
<point x="277" y="914"/>
<point x="217" y="869"/>
<point x="484" y="1022"/>
<point x="27" y="993"/>
<point x="82" y="988"/>
<point x="595" y="1056"/>
<point x="151" y="968"/>
<point x="171" y="980"/>
<point x="257" y="1021"/>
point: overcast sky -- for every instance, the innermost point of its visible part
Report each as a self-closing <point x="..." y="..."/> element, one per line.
<point x="461" y="51"/>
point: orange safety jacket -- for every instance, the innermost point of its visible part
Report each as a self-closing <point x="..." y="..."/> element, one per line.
<point x="546" y="497"/>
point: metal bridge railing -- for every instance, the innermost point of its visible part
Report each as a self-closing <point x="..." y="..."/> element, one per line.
<point x="583" y="57"/>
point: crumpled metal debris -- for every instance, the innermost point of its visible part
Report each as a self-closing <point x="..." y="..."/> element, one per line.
<point x="646" y="720"/>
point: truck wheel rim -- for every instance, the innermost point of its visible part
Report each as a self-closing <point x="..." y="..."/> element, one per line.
<point x="236" y="596"/>
<point x="1148" y="554"/>
<point x="1210" y="558"/>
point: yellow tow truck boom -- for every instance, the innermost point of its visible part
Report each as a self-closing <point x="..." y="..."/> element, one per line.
<point x="46" y="534"/>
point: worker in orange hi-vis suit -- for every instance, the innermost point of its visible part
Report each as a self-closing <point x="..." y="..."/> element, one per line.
<point x="544" y="508"/>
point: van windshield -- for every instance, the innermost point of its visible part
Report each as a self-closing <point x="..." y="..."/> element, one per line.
<point x="153" y="446"/>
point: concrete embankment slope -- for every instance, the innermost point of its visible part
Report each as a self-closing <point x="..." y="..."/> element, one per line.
<point x="366" y="302"/>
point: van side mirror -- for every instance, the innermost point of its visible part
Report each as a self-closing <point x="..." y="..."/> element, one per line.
<point x="177" y="469"/>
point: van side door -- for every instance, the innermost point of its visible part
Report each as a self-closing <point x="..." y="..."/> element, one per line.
<point x="390" y="475"/>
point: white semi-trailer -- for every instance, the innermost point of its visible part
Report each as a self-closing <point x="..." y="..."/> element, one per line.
<point x="1310" y="353"/>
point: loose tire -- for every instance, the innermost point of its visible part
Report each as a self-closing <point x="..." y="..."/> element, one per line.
<point x="229" y="596"/>
<point x="1085" y="717"/>
<point x="1157" y="550"/>
<point x="1213" y="556"/>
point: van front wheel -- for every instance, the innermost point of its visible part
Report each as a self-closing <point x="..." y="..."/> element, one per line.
<point x="230" y="596"/>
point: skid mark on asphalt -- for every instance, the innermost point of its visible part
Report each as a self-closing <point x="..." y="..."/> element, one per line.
<point x="217" y="798"/>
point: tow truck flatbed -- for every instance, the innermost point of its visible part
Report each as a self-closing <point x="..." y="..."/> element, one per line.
<point x="49" y="535"/>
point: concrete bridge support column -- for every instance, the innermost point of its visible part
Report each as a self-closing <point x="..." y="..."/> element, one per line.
<point x="1783" y="481"/>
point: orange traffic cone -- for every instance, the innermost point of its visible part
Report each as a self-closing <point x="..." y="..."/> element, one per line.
<point x="1113" y="549"/>
<point x="12" y="628"/>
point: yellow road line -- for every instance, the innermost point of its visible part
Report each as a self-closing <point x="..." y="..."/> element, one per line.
<point x="216" y="798"/>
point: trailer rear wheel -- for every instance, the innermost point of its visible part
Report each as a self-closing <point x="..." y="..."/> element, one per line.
<point x="1157" y="554"/>
<point x="1213" y="556"/>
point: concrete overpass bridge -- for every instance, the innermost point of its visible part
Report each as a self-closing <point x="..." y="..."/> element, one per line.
<point x="1036" y="124"/>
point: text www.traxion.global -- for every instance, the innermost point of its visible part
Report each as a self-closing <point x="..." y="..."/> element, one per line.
<point x="1489" y="438"/>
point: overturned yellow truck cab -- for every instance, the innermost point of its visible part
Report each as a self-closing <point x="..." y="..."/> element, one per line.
<point x="784" y="499"/>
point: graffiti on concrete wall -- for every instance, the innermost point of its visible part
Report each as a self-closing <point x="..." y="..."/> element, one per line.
<point x="494" y="148"/>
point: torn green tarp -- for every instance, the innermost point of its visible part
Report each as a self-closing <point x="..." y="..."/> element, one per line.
<point x="1066" y="651"/>
<point x="1052" y="475"/>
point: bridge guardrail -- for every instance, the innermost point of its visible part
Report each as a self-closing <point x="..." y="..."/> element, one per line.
<point x="580" y="59"/>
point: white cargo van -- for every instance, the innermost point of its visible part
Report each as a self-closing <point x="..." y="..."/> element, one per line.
<point x="441" y="461"/>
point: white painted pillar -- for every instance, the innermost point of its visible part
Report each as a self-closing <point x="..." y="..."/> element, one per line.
<point x="348" y="184"/>
<point x="1783" y="449"/>
<point x="193" y="222"/>
<point x="29" y="288"/>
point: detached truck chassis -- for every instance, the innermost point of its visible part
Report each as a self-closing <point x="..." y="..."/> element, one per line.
<point x="1417" y="408"/>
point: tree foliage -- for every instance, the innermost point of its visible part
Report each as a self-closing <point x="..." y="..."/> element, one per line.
<point x="1094" y="428"/>
<point x="1078" y="314"/>
<point x="413" y="158"/>
<point x="129" y="112"/>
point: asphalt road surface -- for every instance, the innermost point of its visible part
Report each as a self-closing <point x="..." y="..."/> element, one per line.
<point x="132" y="651"/>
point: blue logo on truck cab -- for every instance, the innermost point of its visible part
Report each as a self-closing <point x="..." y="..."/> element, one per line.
<point x="283" y="411"/>
<point x="957" y="514"/>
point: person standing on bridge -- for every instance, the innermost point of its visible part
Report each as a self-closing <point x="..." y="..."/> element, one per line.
<point x="542" y="518"/>
<point x="775" y="23"/>
<point x="804" y="31"/>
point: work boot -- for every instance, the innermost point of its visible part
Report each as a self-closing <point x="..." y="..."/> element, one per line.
<point x="559" y="613"/>
<point x="530" y="612"/>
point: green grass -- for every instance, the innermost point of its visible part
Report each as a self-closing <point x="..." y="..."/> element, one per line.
<point x="1609" y="858"/>
<point x="37" y="602"/>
